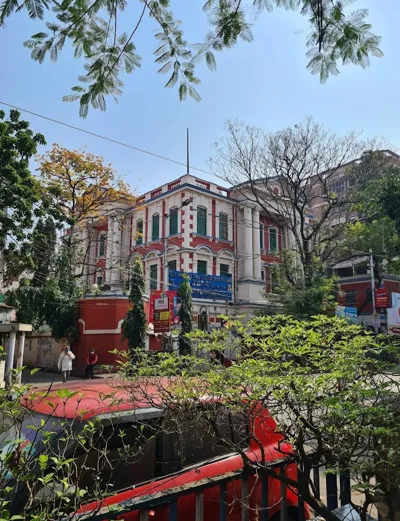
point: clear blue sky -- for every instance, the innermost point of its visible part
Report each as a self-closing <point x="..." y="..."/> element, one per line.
<point x="263" y="83"/>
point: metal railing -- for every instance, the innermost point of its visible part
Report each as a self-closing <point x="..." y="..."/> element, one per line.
<point x="335" y="496"/>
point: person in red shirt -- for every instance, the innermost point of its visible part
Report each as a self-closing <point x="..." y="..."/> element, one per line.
<point x="91" y="361"/>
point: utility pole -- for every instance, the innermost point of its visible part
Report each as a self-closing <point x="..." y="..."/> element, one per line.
<point x="186" y="202"/>
<point x="371" y="269"/>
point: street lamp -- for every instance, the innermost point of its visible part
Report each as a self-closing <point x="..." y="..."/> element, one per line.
<point x="186" y="202"/>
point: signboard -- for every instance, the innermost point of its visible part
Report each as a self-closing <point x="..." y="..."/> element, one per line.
<point x="162" y="310"/>
<point x="382" y="298"/>
<point x="348" y="313"/>
<point x="212" y="287"/>
<point x="393" y="315"/>
<point x="161" y="304"/>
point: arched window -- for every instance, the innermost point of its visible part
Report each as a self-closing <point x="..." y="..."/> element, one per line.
<point x="173" y="221"/>
<point x="201" y="220"/>
<point x="155" y="228"/>
<point x="273" y="240"/>
<point x="139" y="232"/>
<point x="102" y="245"/>
<point x="223" y="226"/>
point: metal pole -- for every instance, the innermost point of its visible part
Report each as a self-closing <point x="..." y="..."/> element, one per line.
<point x="187" y="151"/>
<point x="20" y="355"/>
<point x="165" y="267"/>
<point x="371" y="269"/>
<point x="10" y="357"/>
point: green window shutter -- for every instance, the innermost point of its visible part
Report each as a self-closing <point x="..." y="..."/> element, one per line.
<point x="173" y="222"/>
<point x="155" y="232"/>
<point x="202" y="267"/>
<point x="153" y="276"/>
<point x="273" y="240"/>
<point x="224" y="270"/>
<point x="201" y="221"/>
<point x="223" y="226"/>
<point x="139" y="232"/>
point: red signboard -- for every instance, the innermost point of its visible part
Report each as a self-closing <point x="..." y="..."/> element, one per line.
<point x="382" y="298"/>
<point x="161" y="314"/>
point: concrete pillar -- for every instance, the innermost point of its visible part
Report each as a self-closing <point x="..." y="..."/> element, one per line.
<point x="10" y="357"/>
<point x="256" y="244"/>
<point x="20" y="355"/>
<point x="110" y="248"/>
<point x="248" y="243"/>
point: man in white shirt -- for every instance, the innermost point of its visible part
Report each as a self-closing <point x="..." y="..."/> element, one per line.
<point x="65" y="362"/>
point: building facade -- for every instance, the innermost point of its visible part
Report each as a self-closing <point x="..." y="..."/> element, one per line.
<point x="194" y="226"/>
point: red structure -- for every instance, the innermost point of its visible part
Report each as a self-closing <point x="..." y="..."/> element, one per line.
<point x="100" y="320"/>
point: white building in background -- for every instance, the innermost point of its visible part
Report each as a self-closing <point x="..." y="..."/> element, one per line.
<point x="197" y="226"/>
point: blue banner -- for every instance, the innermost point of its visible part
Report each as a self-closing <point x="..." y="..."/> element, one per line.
<point x="212" y="287"/>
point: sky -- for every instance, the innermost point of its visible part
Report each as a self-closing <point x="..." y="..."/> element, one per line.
<point x="263" y="83"/>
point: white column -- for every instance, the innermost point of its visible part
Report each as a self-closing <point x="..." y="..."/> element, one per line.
<point x="10" y="357"/>
<point x="248" y="246"/>
<point x="20" y="355"/>
<point x="256" y="244"/>
<point x="116" y="253"/>
<point x="110" y="248"/>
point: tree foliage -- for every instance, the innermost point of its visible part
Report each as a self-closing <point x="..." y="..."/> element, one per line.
<point x="93" y="27"/>
<point x="85" y="191"/>
<point x="20" y="194"/>
<point x="326" y="385"/>
<point x="299" y="300"/>
<point x="288" y="174"/>
<point x="185" y="315"/>
<point x="134" y="325"/>
<point x="61" y="293"/>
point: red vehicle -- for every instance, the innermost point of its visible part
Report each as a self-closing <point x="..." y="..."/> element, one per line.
<point x="169" y="457"/>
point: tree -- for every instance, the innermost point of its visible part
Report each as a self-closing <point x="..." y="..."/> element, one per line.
<point x="185" y="315"/>
<point x="38" y="256"/>
<point x="20" y="195"/>
<point x="299" y="300"/>
<point x="288" y="173"/>
<point x="43" y="247"/>
<point x="327" y="387"/>
<point x="84" y="191"/>
<point x="381" y="196"/>
<point x="134" y="325"/>
<point x="93" y="28"/>
<point x="61" y="294"/>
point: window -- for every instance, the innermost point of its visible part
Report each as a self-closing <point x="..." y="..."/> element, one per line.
<point x="102" y="245"/>
<point x="351" y="298"/>
<point x="201" y="220"/>
<point x="168" y="448"/>
<point x="131" y="457"/>
<point x="99" y="280"/>
<point x="202" y="439"/>
<point x="155" y="229"/>
<point x="224" y="270"/>
<point x="338" y="186"/>
<point x="262" y="274"/>
<point x="223" y="226"/>
<point x="153" y="277"/>
<point x="262" y="242"/>
<point x="173" y="221"/>
<point x="172" y="265"/>
<point x="139" y="232"/>
<point x="273" y="240"/>
<point x="202" y="267"/>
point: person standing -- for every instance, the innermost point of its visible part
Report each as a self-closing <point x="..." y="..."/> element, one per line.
<point x="91" y="361"/>
<point x="65" y="362"/>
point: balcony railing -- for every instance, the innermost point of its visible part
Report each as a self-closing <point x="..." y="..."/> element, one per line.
<point x="336" y="489"/>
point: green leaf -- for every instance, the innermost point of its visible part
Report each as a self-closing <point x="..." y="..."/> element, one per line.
<point x="210" y="60"/>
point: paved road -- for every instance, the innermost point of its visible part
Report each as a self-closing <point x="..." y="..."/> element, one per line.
<point x="45" y="377"/>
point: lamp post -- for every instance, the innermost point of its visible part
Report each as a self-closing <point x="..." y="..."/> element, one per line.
<point x="186" y="202"/>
